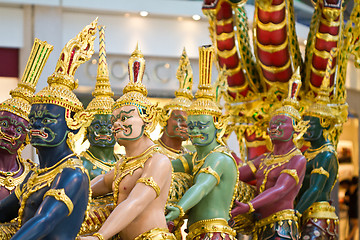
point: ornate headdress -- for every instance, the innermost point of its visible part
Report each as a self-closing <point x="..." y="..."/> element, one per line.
<point x="134" y="93"/>
<point x="62" y="83"/>
<point x="320" y="108"/>
<point x="19" y="103"/>
<point x="205" y="103"/>
<point x="183" y="96"/>
<point x="102" y="102"/>
<point x="291" y="105"/>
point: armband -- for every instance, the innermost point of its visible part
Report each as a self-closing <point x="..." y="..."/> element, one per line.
<point x="185" y="164"/>
<point x="60" y="195"/>
<point x="291" y="172"/>
<point x="209" y="170"/>
<point x="99" y="236"/>
<point x="320" y="171"/>
<point x="182" y="213"/>
<point x="252" y="209"/>
<point x="150" y="182"/>
<point x="252" y="167"/>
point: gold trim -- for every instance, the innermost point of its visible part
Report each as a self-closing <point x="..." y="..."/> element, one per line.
<point x="330" y="23"/>
<point x="209" y="170"/>
<point x="287" y="214"/>
<point x="270" y="27"/>
<point x="327" y="37"/>
<point x="274" y="69"/>
<point x="99" y="236"/>
<point x="10" y="182"/>
<point x="98" y="162"/>
<point x="323" y="54"/>
<point x="320" y="210"/>
<point x="232" y="71"/>
<point x="210" y="226"/>
<point x="182" y="212"/>
<point x="156" y="234"/>
<point x="184" y="163"/>
<point x="60" y="195"/>
<point x="252" y="167"/>
<point x="272" y="48"/>
<point x="224" y="36"/>
<point x="272" y="8"/>
<point x="151" y="183"/>
<point x="321" y="171"/>
<point x="293" y="173"/>
<point x="224" y="22"/>
<point x="226" y="53"/>
<point x="310" y="153"/>
<point x="251" y="207"/>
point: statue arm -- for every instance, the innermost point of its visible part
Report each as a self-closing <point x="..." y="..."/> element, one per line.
<point x="183" y="164"/>
<point x="102" y="184"/>
<point x="9" y="208"/>
<point x="318" y="179"/>
<point x="140" y="197"/>
<point x="248" y="170"/>
<point x="71" y="184"/>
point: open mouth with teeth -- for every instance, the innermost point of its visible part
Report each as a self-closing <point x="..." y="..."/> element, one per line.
<point x="38" y="133"/>
<point x="181" y="130"/>
<point x="197" y="136"/>
<point x="102" y="137"/>
<point x="8" y="138"/>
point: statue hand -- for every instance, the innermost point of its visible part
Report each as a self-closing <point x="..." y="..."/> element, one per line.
<point x="87" y="238"/>
<point x="240" y="208"/>
<point x="173" y="213"/>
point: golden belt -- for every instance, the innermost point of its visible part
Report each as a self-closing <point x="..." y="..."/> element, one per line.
<point x="215" y="225"/>
<point x="284" y="215"/>
<point x="320" y="210"/>
<point x="156" y="234"/>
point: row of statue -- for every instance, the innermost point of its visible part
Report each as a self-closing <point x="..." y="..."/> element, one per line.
<point x="278" y="188"/>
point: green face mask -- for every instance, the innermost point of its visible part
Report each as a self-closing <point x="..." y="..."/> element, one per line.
<point x="201" y="129"/>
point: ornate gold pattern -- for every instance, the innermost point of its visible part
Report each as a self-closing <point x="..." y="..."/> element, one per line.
<point x="99" y="236"/>
<point x="310" y="153"/>
<point x="320" y="210"/>
<point x="210" y="171"/>
<point x="156" y="234"/>
<point x="10" y="182"/>
<point x="60" y="195"/>
<point x="127" y="165"/>
<point x="19" y="103"/>
<point x="103" y="101"/>
<point x="185" y="164"/>
<point x="151" y="183"/>
<point x="106" y="166"/>
<point x="251" y="207"/>
<point x="210" y="226"/>
<point x="252" y="167"/>
<point x="293" y="173"/>
<point x="43" y="177"/>
<point x="284" y="215"/>
<point x="321" y="171"/>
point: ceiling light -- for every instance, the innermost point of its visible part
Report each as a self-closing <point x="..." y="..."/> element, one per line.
<point x="196" y="17"/>
<point x="144" y="13"/>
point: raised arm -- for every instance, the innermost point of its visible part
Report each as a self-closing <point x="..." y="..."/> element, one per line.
<point x="318" y="178"/>
<point x="157" y="171"/>
<point x="72" y="185"/>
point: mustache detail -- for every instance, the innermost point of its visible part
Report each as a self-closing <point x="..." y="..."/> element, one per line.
<point x="273" y="131"/>
<point x="8" y="138"/>
<point x="102" y="136"/>
<point x="181" y="129"/>
<point x="117" y="130"/>
<point x="38" y="133"/>
<point x="197" y="136"/>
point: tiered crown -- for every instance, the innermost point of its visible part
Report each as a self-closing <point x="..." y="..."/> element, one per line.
<point x="61" y="83"/>
<point x="183" y="96"/>
<point x="19" y="103"/>
<point x="102" y="102"/>
<point x="205" y="96"/>
<point x="321" y="108"/>
<point x="291" y="105"/>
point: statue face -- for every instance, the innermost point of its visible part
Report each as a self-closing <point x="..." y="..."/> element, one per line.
<point x="201" y="129"/>
<point x="47" y="125"/>
<point x="315" y="129"/>
<point x="176" y="125"/>
<point x="127" y="124"/>
<point x="13" y="130"/>
<point x="281" y="128"/>
<point x="99" y="133"/>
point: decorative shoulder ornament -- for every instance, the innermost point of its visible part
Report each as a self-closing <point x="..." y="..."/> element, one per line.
<point x="102" y="102"/>
<point x="205" y="103"/>
<point x="19" y="103"/>
<point x="183" y="96"/>
<point x="135" y="92"/>
<point x="62" y="83"/>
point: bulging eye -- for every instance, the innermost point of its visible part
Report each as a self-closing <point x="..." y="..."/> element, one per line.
<point x="97" y="126"/>
<point x="4" y="123"/>
<point x="19" y="130"/>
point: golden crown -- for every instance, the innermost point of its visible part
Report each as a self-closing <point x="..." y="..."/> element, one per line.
<point x="205" y="96"/>
<point x="102" y="102"/>
<point x="61" y="83"/>
<point x="321" y="108"/>
<point x="291" y="105"/>
<point x="134" y="92"/>
<point x="183" y="96"/>
<point x="19" y="103"/>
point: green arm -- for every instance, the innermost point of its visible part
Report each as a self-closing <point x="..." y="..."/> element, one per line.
<point x="183" y="164"/>
<point x="318" y="181"/>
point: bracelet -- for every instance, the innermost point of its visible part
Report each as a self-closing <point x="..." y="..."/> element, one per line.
<point x="99" y="236"/>
<point x="182" y="213"/>
<point x="252" y="209"/>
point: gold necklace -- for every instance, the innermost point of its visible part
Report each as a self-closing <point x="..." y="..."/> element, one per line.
<point x="10" y="182"/>
<point x="10" y="174"/>
<point x="106" y="166"/>
<point x="282" y="159"/>
<point x="167" y="147"/>
<point x="129" y="165"/>
<point x="37" y="181"/>
<point x="310" y="154"/>
<point x="200" y="163"/>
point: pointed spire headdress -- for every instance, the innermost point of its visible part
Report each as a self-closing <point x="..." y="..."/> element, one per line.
<point x="20" y="100"/>
<point x="102" y="102"/>
<point x="62" y="82"/>
<point x="135" y="92"/>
